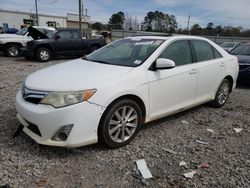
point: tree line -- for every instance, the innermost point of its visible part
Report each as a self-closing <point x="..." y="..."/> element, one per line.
<point x="158" y="21"/>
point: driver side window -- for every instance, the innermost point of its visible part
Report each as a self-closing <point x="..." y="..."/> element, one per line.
<point x="179" y="52"/>
<point x="65" y="35"/>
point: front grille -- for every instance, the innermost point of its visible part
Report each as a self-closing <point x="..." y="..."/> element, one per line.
<point x="33" y="96"/>
<point x="34" y="129"/>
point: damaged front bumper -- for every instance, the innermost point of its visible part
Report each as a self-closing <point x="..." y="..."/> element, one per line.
<point x="42" y="122"/>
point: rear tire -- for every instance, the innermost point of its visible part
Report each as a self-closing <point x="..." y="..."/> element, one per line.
<point x="12" y="50"/>
<point x="120" y="123"/>
<point x="222" y="94"/>
<point x="43" y="54"/>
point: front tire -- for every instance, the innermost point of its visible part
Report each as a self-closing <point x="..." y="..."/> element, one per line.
<point x="43" y="54"/>
<point x="222" y="94"/>
<point x="12" y="50"/>
<point x="120" y="123"/>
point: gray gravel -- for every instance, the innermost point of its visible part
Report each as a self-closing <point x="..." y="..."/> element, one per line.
<point x="163" y="144"/>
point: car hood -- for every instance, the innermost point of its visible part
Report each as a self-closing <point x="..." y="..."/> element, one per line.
<point x="35" y="34"/>
<point x="244" y="59"/>
<point x="11" y="36"/>
<point x="75" y="75"/>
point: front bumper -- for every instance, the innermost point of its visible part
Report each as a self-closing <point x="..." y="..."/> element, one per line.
<point x="84" y="116"/>
<point x="27" y="52"/>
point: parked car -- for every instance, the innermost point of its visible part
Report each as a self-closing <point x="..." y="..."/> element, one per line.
<point x="60" y="43"/>
<point x="107" y="95"/>
<point x="11" y="30"/>
<point x="10" y="44"/>
<point x="228" y="46"/>
<point x="243" y="54"/>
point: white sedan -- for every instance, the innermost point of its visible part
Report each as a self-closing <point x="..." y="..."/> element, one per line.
<point x="107" y="95"/>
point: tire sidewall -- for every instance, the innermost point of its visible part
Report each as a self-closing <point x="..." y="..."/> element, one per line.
<point x="103" y="134"/>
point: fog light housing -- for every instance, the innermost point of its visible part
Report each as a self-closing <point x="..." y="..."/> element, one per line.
<point x="63" y="133"/>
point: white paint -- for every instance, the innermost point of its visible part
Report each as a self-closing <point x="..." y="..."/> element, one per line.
<point x="163" y="92"/>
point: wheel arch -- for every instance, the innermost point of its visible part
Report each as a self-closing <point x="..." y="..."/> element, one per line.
<point x="133" y="97"/>
<point x="230" y="79"/>
<point x="15" y="43"/>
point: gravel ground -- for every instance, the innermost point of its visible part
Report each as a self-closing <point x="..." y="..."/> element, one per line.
<point x="163" y="144"/>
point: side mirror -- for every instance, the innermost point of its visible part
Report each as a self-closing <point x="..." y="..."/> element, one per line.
<point x="163" y="63"/>
<point x="57" y="37"/>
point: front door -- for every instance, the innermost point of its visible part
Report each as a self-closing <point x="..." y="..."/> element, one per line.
<point x="173" y="89"/>
<point x="63" y="45"/>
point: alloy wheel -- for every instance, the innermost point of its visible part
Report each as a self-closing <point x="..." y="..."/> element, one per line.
<point x="122" y="124"/>
<point x="223" y="92"/>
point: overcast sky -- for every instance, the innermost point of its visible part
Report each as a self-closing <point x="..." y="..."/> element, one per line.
<point x="219" y="12"/>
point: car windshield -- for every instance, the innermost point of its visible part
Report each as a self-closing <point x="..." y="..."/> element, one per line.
<point x="126" y="52"/>
<point x="22" y="32"/>
<point x="50" y="34"/>
<point x="241" y="50"/>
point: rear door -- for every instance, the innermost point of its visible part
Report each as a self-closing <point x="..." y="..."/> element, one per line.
<point x="173" y="89"/>
<point x="210" y="67"/>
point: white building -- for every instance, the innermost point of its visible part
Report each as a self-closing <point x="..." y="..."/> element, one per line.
<point x="16" y="19"/>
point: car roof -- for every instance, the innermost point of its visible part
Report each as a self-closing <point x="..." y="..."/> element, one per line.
<point x="186" y="37"/>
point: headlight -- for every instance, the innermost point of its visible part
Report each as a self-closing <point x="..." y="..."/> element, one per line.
<point x="61" y="99"/>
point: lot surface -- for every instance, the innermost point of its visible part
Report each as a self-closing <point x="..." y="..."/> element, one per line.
<point x="163" y="144"/>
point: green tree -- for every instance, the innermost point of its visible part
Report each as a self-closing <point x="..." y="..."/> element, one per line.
<point x="196" y="29"/>
<point x="116" y="20"/>
<point x="98" y="26"/>
<point x="158" y="21"/>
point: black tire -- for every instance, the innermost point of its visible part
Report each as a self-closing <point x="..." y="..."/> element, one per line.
<point x="222" y="94"/>
<point x="12" y="50"/>
<point x="125" y="127"/>
<point x="43" y="54"/>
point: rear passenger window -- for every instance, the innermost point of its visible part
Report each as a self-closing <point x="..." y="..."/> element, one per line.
<point x="203" y="50"/>
<point x="179" y="52"/>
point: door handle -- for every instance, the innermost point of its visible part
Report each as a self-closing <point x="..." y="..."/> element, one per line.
<point x="192" y="71"/>
<point x="222" y="64"/>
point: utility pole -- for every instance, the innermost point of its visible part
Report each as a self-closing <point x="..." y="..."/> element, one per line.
<point x="36" y="13"/>
<point x="80" y="17"/>
<point x="188" y="24"/>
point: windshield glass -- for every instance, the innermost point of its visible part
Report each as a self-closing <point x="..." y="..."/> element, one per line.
<point x="241" y="50"/>
<point x="50" y="34"/>
<point x="228" y="44"/>
<point x="22" y="32"/>
<point x="126" y="52"/>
